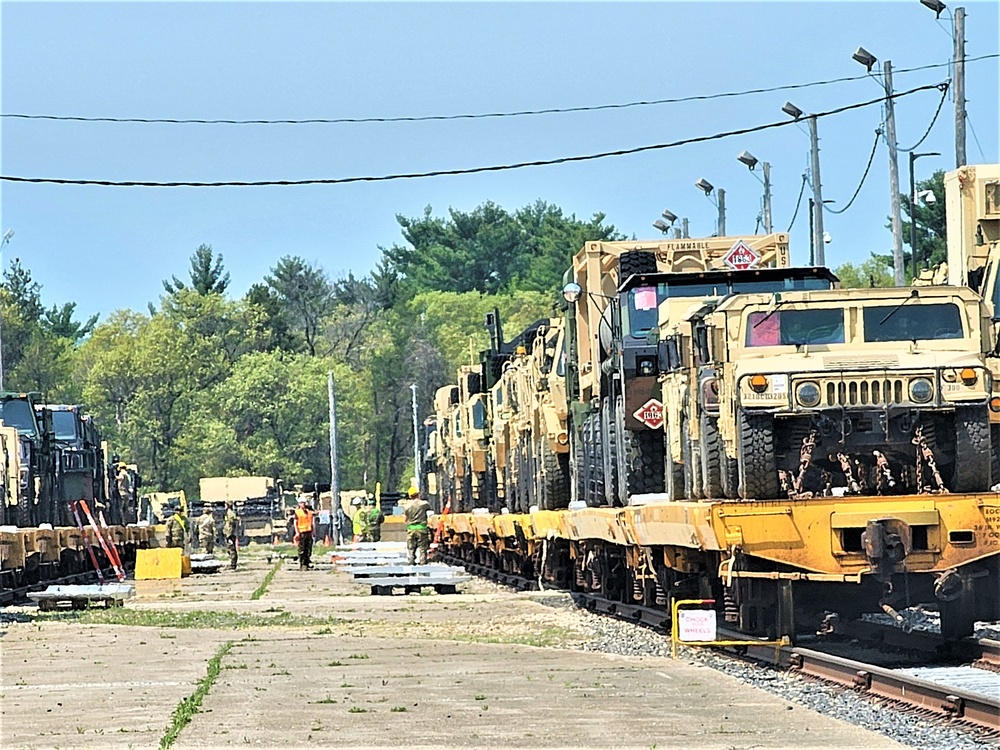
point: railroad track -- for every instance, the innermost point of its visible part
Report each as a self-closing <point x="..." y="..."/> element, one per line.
<point x="968" y="708"/>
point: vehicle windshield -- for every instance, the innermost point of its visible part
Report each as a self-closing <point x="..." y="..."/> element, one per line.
<point x="796" y="327"/>
<point x="18" y="414"/>
<point x="642" y="314"/>
<point x="478" y="414"/>
<point x="912" y="321"/>
<point x="64" y="424"/>
<point x="644" y="300"/>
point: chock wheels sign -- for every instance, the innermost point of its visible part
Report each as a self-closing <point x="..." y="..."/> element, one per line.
<point x="650" y="414"/>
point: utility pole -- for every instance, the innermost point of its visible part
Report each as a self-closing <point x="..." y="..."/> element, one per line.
<point x="684" y="228"/>
<point x="812" y="232"/>
<point x="960" y="160"/>
<point x="890" y="136"/>
<point x="818" y="254"/>
<point x="334" y="467"/>
<point x="416" y="440"/>
<point x="767" y="197"/>
<point x="722" y="212"/>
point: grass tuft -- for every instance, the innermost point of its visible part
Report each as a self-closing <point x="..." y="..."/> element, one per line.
<point x="262" y="589"/>
<point x="190" y="706"/>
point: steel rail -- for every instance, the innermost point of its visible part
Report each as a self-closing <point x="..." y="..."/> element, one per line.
<point x="977" y="712"/>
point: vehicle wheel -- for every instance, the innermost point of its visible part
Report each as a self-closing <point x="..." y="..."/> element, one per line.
<point x="995" y="450"/>
<point x="711" y="461"/>
<point x="24" y="512"/>
<point x="635" y="262"/>
<point x="673" y="473"/>
<point x="973" y="453"/>
<point x="758" y="467"/>
<point x="729" y="474"/>
<point x="645" y="461"/>
<point x="556" y="488"/>
<point x="467" y="502"/>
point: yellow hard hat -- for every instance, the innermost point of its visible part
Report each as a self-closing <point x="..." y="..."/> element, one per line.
<point x="413" y="492"/>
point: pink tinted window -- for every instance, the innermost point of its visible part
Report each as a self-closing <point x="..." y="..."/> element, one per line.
<point x="645" y="298"/>
<point x="764" y="330"/>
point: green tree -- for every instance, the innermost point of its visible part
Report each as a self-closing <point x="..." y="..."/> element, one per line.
<point x="207" y="274"/>
<point x="306" y="294"/>
<point x="59" y="322"/>
<point x="931" y="222"/>
<point x="489" y="249"/>
<point x="874" y="272"/>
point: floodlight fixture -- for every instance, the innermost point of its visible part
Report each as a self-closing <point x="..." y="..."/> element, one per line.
<point x="662" y="226"/>
<point x="936" y="5"/>
<point x="791" y="110"/>
<point x="669" y="215"/>
<point x="7" y="235"/>
<point x="705" y="186"/>
<point x="865" y="57"/>
<point x="927" y="196"/>
<point x="747" y="158"/>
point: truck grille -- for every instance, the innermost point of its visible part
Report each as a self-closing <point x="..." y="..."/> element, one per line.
<point x="867" y="392"/>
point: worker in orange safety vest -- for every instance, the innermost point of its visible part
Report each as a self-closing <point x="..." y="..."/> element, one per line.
<point x="304" y="532"/>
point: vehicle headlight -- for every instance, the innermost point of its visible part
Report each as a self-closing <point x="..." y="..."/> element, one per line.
<point x="646" y="366"/>
<point x="921" y="390"/>
<point x="807" y="394"/>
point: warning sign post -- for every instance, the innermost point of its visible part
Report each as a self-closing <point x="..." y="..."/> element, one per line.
<point x="698" y="627"/>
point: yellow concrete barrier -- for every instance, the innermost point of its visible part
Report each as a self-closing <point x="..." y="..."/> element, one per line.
<point x="160" y="563"/>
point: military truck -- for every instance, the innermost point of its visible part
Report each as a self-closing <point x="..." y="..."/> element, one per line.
<point x="258" y="501"/>
<point x="80" y="464"/>
<point x="37" y="502"/>
<point x="10" y="476"/>
<point x="855" y="391"/>
<point x="615" y="415"/>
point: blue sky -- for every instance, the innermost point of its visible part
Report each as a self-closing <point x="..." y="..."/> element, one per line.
<point x="110" y="247"/>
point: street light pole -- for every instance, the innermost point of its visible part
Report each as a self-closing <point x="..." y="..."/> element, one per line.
<point x="6" y="239"/>
<point x="334" y="467"/>
<point x="817" y="212"/>
<point x="416" y="439"/>
<point x="767" y="197"/>
<point x="722" y="212"/>
<point x="959" y="87"/>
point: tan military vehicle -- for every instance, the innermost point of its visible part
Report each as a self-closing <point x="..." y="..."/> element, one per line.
<point x="474" y="472"/>
<point x="860" y="391"/>
<point x="448" y="443"/>
<point x="10" y="474"/>
<point x="688" y="373"/>
<point x="616" y="419"/>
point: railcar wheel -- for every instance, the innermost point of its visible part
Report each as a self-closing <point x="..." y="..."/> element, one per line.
<point x="973" y="452"/>
<point x="758" y="467"/>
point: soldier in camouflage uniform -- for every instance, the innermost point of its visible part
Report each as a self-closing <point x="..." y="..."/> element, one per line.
<point x="230" y="531"/>
<point x="375" y="520"/>
<point x="177" y="529"/>
<point x="206" y="529"/>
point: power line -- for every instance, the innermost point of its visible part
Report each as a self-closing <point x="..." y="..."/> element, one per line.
<point x="470" y="170"/>
<point x="798" y="202"/>
<point x="475" y="116"/>
<point x="871" y="158"/>
<point x="915" y="146"/>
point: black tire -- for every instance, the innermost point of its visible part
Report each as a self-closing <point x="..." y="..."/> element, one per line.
<point x="711" y="460"/>
<point x="466" y="503"/>
<point x="635" y="262"/>
<point x="729" y="474"/>
<point x="645" y="461"/>
<point x="555" y="488"/>
<point x="995" y="450"/>
<point x="673" y="474"/>
<point x="758" y="466"/>
<point x="973" y="452"/>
